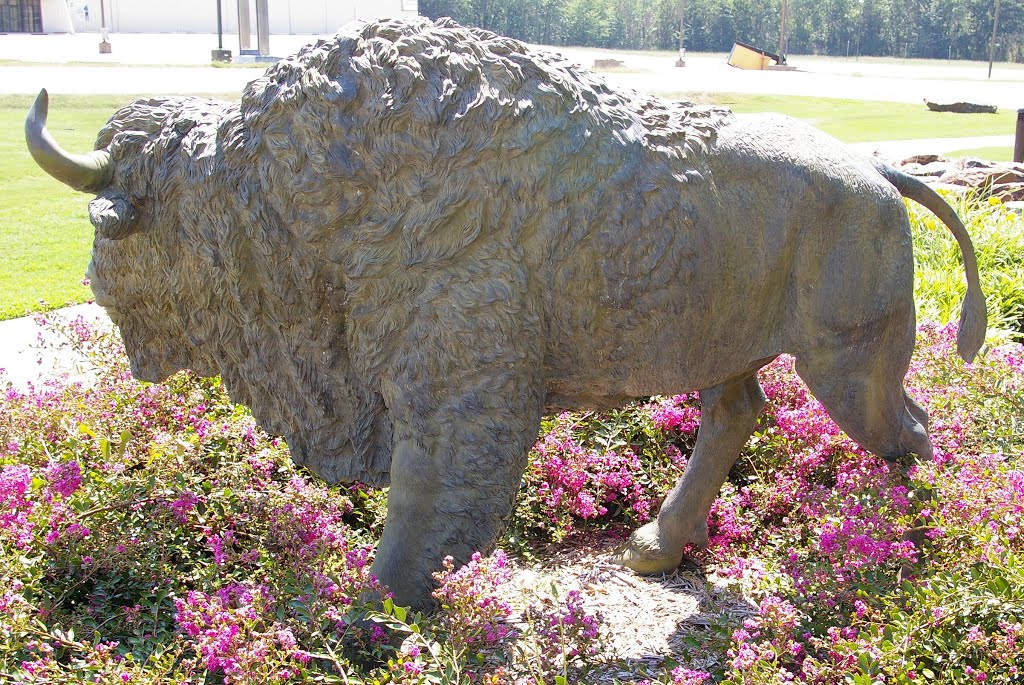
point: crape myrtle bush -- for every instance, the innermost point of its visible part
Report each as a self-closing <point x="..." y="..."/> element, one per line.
<point x="154" y="534"/>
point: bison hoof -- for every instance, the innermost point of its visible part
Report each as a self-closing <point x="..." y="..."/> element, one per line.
<point x="646" y="554"/>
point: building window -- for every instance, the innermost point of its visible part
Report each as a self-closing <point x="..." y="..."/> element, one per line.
<point x="21" y="16"/>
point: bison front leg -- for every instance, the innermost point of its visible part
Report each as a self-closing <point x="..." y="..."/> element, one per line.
<point x="466" y="406"/>
<point x="728" y="415"/>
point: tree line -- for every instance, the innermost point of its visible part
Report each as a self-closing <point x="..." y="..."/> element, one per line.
<point x="955" y="29"/>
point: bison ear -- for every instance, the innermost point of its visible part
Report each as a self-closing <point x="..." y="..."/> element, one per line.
<point x="113" y="216"/>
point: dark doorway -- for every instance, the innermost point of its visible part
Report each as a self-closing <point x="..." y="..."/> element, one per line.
<point x="21" y="16"/>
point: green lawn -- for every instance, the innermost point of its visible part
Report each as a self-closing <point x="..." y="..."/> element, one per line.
<point x="44" y="225"/>
<point x="856" y="121"/>
<point x="45" y="228"/>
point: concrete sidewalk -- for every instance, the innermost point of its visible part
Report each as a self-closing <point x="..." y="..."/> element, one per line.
<point x="27" y="361"/>
<point x="140" y="64"/>
<point x="901" y="149"/>
<point x="132" y="49"/>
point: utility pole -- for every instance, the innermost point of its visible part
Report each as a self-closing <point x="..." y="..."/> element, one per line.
<point x="782" y="27"/>
<point x="992" y="45"/>
<point x="104" y="34"/>
<point x="681" y="62"/>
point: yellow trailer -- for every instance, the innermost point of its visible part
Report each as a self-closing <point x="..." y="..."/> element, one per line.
<point x="745" y="56"/>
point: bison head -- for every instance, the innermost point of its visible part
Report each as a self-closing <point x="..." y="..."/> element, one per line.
<point x="198" y="272"/>
<point x="150" y="323"/>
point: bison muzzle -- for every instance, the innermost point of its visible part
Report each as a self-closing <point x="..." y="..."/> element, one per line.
<point x="407" y="242"/>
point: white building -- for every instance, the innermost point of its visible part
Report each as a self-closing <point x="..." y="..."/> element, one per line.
<point x="189" y="16"/>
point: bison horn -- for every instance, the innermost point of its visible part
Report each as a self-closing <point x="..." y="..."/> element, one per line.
<point x="87" y="173"/>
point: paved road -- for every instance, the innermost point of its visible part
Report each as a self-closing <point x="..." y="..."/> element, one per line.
<point x="179" y="63"/>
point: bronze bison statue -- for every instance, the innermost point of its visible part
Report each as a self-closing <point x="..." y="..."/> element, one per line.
<point x="409" y="241"/>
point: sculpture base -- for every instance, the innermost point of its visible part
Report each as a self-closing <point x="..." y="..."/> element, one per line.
<point x="680" y="63"/>
<point x="220" y="55"/>
<point x="104" y="47"/>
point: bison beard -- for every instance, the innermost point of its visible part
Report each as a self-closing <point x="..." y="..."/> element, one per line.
<point x="408" y="241"/>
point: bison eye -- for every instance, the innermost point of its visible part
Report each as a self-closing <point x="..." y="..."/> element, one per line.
<point x="113" y="215"/>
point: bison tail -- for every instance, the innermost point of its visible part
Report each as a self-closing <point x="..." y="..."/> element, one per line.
<point x="973" y="317"/>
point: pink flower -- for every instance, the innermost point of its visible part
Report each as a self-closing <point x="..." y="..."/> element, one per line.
<point x="15" y="507"/>
<point x="64" y="478"/>
<point x="181" y="506"/>
<point x="686" y="676"/>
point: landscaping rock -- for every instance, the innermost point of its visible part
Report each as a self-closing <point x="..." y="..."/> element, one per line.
<point x="1009" y="192"/>
<point x="939" y="168"/>
<point x="1003" y="180"/>
<point x="923" y="159"/>
<point x="978" y="178"/>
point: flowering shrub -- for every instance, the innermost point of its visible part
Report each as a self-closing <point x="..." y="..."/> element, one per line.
<point x="564" y="633"/>
<point x="830" y="521"/>
<point x="164" y="520"/>
<point x="472" y="612"/>
<point x="599" y="468"/>
<point x="154" y="534"/>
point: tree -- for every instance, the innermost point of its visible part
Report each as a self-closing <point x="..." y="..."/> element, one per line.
<point x="916" y="28"/>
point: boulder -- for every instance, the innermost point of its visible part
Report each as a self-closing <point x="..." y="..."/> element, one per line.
<point x="922" y="159"/>
<point x="1009" y="192"/>
<point x="981" y="178"/>
<point x="1002" y="180"/>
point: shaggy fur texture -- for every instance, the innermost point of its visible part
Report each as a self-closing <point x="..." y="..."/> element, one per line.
<point x="408" y="241"/>
<point x="365" y="166"/>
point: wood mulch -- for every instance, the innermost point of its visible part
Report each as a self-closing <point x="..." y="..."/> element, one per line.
<point x="644" y="620"/>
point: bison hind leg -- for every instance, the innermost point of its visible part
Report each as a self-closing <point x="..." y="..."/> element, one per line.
<point x="728" y="416"/>
<point x="861" y="387"/>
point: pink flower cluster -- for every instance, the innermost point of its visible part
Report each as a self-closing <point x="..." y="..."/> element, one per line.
<point x="679" y="414"/>
<point x="230" y="632"/>
<point x="306" y="524"/>
<point x="15" y="506"/>
<point x="474" y="614"/>
<point x="687" y="676"/>
<point x="572" y="626"/>
<point x="64" y="478"/>
<point x="770" y="637"/>
<point x="572" y="480"/>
